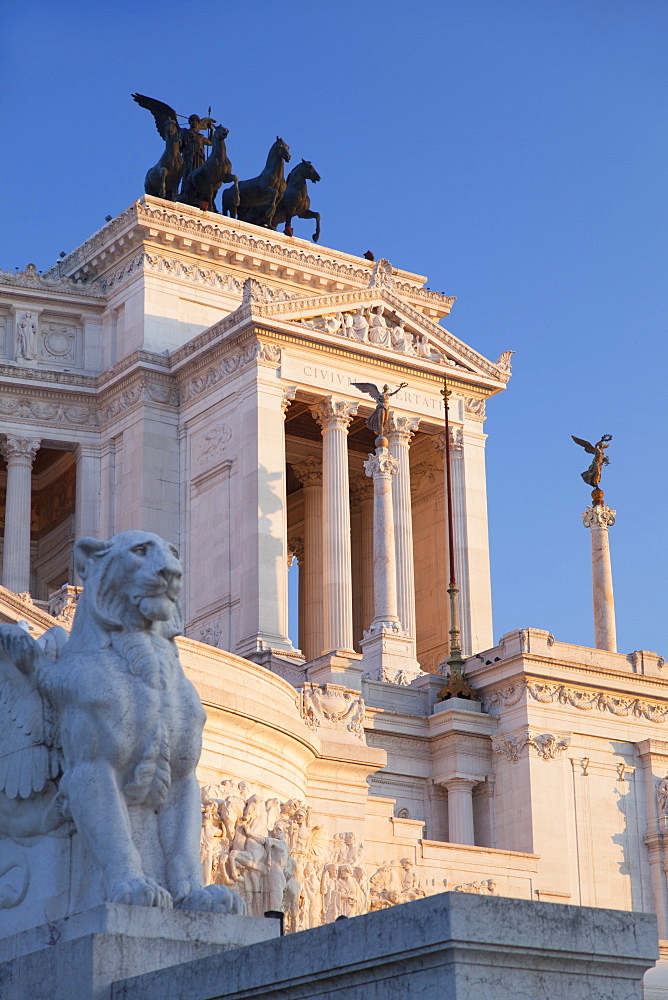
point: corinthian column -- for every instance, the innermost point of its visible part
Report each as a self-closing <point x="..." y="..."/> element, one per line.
<point x="382" y="467"/>
<point x="19" y="454"/>
<point x="334" y="417"/>
<point x="598" y="519"/>
<point x="400" y="430"/>
<point x="311" y="636"/>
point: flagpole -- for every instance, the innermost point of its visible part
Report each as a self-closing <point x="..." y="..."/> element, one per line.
<point x="457" y="685"/>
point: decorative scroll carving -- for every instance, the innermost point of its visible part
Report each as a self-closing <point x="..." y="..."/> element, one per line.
<point x="475" y="407"/>
<point x="503" y="362"/>
<point x="51" y="281"/>
<point x="547" y="746"/>
<point x="267" y="353"/>
<point x="63" y="604"/>
<point x="36" y="409"/>
<point x="332" y="704"/>
<point x="600" y="516"/>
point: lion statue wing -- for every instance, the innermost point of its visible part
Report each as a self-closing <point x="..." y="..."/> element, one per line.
<point x="29" y="750"/>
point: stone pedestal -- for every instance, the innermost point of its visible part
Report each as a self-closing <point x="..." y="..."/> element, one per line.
<point x="84" y="955"/>
<point x="19" y="454"/>
<point x="451" y="946"/>
<point x="598" y="519"/>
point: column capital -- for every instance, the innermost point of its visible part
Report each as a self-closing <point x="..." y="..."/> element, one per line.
<point x="460" y="784"/>
<point x="381" y="464"/>
<point x="287" y="396"/>
<point x="309" y="472"/>
<point x="401" y="429"/>
<point x="600" y="516"/>
<point x="20" y="451"/>
<point x="456" y="441"/>
<point x="334" y="413"/>
<point x="361" y="489"/>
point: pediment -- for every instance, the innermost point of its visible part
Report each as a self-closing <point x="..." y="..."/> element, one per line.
<point x="379" y="318"/>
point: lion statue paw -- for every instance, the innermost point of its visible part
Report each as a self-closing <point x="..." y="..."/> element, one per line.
<point x="140" y="892"/>
<point x="215" y="899"/>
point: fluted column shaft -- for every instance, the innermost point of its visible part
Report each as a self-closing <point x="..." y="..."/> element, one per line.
<point x="382" y="467"/>
<point x="399" y="432"/>
<point x="311" y="635"/>
<point x="334" y="417"/>
<point x="460" y="810"/>
<point x="20" y="455"/>
<point x="598" y="519"/>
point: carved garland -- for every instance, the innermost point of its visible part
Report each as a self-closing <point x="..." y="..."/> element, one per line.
<point x="582" y="699"/>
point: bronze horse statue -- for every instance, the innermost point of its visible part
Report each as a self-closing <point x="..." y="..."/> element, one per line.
<point x="296" y="201"/>
<point x="163" y="179"/>
<point x="201" y="186"/>
<point x="258" y="197"/>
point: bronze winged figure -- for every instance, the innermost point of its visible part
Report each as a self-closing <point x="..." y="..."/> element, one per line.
<point x="377" y="422"/>
<point x="191" y="141"/>
<point x="592" y="475"/>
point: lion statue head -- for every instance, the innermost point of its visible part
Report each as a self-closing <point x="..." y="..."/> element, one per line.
<point x="132" y="581"/>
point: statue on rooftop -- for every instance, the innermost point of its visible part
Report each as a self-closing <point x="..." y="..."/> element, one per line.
<point x="592" y="475"/>
<point x="191" y="140"/>
<point x="378" y="420"/>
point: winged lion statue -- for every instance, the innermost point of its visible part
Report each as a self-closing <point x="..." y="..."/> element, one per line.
<point x="100" y="733"/>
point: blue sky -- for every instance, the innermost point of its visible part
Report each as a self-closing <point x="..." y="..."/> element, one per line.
<point x="513" y="151"/>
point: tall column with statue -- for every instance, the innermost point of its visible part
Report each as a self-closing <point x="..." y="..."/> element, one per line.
<point x="388" y="649"/>
<point x="400" y="430"/>
<point x="599" y="518"/>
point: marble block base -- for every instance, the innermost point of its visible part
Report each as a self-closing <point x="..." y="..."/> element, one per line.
<point x="453" y="946"/>
<point x="82" y="955"/>
<point x="389" y="656"/>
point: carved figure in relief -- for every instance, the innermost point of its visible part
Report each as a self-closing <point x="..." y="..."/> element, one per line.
<point x="378" y="420"/>
<point x="295" y="199"/>
<point x="360" y="325"/>
<point x="592" y="475"/>
<point x="410" y="883"/>
<point x="259" y="196"/>
<point x="26" y="338"/>
<point x="401" y="340"/>
<point x="662" y="795"/>
<point x="379" y="335"/>
<point x="114" y="727"/>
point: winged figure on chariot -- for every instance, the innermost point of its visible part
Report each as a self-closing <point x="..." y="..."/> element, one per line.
<point x="191" y="140"/>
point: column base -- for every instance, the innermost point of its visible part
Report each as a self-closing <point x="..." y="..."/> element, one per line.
<point x="389" y="654"/>
<point x="340" y="666"/>
<point x="262" y="642"/>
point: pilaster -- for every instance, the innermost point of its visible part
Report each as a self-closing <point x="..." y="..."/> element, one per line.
<point x="311" y="636"/>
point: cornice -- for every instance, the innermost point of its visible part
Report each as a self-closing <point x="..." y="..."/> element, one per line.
<point x="583" y="698"/>
<point x="50" y="282"/>
<point x="151" y="218"/>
